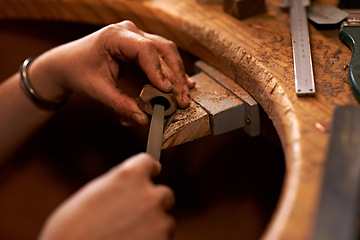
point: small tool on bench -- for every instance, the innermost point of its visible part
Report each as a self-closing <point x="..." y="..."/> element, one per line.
<point x="303" y="69"/>
<point x="337" y="215"/>
<point x="330" y="17"/>
<point x="158" y="104"/>
<point x="350" y="35"/>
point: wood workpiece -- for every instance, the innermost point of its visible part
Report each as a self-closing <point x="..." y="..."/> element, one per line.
<point x="150" y="95"/>
<point x="256" y="54"/>
<point x="218" y="105"/>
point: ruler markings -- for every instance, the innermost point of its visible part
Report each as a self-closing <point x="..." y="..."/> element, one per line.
<point x="303" y="70"/>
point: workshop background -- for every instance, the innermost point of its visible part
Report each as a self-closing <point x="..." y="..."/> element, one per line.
<point x="226" y="186"/>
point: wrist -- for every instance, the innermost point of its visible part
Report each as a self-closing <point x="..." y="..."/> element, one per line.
<point x="40" y="84"/>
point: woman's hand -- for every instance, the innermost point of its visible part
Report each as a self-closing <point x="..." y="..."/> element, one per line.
<point x="121" y="204"/>
<point x="90" y="66"/>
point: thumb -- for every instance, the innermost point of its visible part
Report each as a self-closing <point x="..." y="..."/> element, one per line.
<point x="123" y="105"/>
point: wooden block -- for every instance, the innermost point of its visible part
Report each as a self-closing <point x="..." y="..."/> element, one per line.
<point x="242" y="9"/>
<point x="186" y="125"/>
<point x="150" y="95"/>
<point x="213" y="110"/>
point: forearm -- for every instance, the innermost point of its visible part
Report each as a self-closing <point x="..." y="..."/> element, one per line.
<point x="20" y="116"/>
<point x="89" y="66"/>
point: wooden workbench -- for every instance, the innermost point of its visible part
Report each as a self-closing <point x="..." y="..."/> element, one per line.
<point x="257" y="54"/>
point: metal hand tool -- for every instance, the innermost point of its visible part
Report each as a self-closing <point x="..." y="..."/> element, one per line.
<point x="158" y="104"/>
<point x="303" y="69"/>
<point x="338" y="208"/>
<point x="155" y="138"/>
<point x="350" y="35"/>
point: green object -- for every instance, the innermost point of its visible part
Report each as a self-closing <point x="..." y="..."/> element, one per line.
<point x="350" y="35"/>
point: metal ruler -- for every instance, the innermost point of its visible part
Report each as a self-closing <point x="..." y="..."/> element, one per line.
<point x="304" y="77"/>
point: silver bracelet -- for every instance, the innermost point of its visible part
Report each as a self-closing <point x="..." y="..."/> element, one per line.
<point x="30" y="92"/>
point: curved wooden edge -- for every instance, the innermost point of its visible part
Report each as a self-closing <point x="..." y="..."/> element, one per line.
<point x="257" y="54"/>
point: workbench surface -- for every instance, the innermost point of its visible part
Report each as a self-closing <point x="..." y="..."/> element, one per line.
<point x="257" y="54"/>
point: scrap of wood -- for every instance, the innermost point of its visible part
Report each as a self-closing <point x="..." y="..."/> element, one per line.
<point x="242" y="9"/>
<point x="186" y="125"/>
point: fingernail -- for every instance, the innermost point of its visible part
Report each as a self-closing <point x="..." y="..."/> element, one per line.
<point x="125" y="122"/>
<point x="139" y="118"/>
<point x="167" y="84"/>
<point x="190" y="81"/>
<point x="186" y="89"/>
<point x="185" y="97"/>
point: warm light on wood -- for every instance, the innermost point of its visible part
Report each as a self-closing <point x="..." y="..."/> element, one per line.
<point x="256" y="53"/>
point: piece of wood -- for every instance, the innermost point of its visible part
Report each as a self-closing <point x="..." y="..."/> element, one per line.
<point x="150" y="95"/>
<point x="256" y="53"/>
<point x="186" y="125"/>
<point x="213" y="110"/>
<point x="242" y="9"/>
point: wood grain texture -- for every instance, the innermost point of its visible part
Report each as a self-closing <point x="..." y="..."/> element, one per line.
<point x="186" y="125"/>
<point x="257" y="54"/>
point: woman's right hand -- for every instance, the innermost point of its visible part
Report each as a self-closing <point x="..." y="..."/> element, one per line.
<point x="121" y="204"/>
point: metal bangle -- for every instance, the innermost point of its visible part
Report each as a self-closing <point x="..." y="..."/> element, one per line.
<point x="30" y="92"/>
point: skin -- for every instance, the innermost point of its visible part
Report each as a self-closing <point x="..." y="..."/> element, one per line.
<point x="122" y="203"/>
<point x="90" y="66"/>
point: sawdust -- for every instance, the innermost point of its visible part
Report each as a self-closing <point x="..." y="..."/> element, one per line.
<point x="328" y="89"/>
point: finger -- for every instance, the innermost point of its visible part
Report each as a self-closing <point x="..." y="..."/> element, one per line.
<point x="127" y="24"/>
<point x="121" y="103"/>
<point x="181" y="93"/>
<point x="169" y="52"/>
<point x="167" y="196"/>
<point x="169" y="225"/>
<point x="190" y="82"/>
<point x="173" y="68"/>
<point x="144" y="163"/>
<point x="127" y="45"/>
